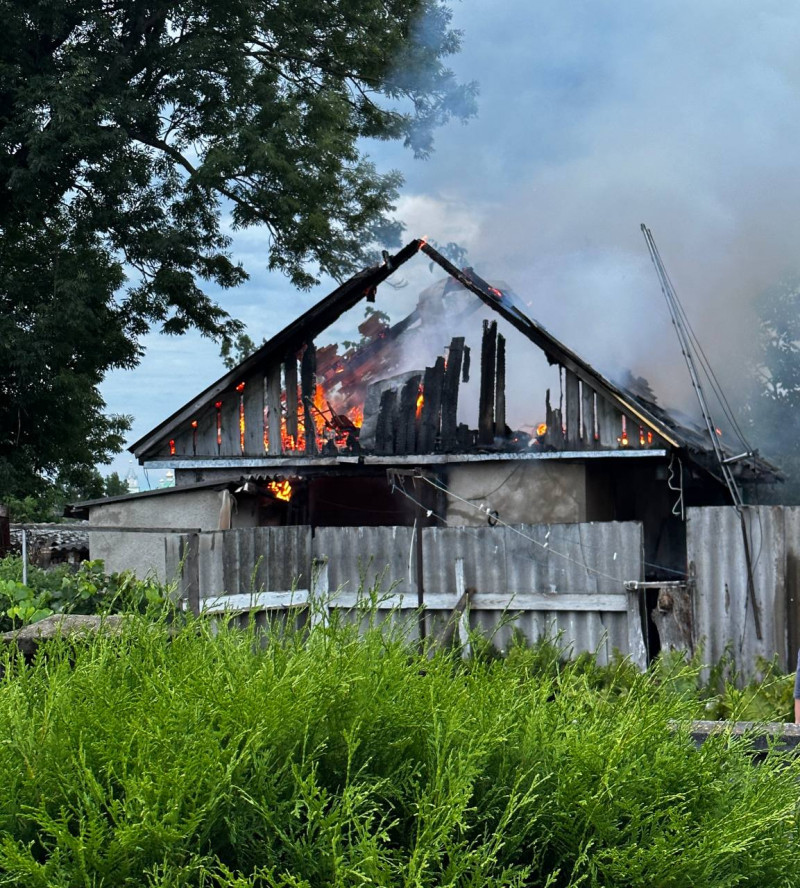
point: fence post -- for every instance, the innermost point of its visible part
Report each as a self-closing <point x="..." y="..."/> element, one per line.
<point x="319" y="602"/>
<point x="190" y="572"/>
<point x="5" y="531"/>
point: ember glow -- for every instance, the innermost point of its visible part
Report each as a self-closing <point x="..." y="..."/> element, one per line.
<point x="281" y="490"/>
<point x="541" y="429"/>
<point x="420" y="402"/>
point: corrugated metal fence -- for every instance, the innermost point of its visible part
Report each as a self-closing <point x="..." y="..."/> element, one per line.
<point x="722" y="610"/>
<point x="565" y="580"/>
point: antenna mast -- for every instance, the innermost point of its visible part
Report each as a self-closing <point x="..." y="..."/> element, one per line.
<point x="723" y="464"/>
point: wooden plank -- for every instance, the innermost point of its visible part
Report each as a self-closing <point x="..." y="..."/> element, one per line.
<point x="609" y="424"/>
<point x="254" y="416"/>
<point x="190" y="572"/>
<point x="290" y="383"/>
<point x="487" y="383"/>
<point x="572" y="394"/>
<point x="554" y="436"/>
<point x="384" y="431"/>
<point x="452" y="379"/>
<point x="206" y="436"/>
<point x="274" y="409"/>
<point x="255" y="601"/>
<point x="588" y="425"/>
<point x="465" y="365"/>
<point x="432" y="386"/>
<point x="405" y="426"/>
<point x="500" y="389"/>
<point x="231" y="444"/>
<point x="184" y="443"/>
<point x="308" y="370"/>
<point x="485" y="601"/>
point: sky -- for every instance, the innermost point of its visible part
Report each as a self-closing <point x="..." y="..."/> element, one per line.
<point x="594" y="116"/>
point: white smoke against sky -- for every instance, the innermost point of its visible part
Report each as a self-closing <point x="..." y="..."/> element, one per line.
<point x="597" y="116"/>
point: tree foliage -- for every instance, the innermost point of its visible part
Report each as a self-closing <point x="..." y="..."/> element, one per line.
<point x="136" y="134"/>
<point x="773" y="410"/>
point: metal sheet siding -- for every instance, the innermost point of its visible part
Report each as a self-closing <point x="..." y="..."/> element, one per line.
<point x="563" y="581"/>
<point x="723" y="617"/>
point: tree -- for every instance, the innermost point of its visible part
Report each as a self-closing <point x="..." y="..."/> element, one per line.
<point x="773" y="409"/>
<point x="131" y="129"/>
<point x="115" y="486"/>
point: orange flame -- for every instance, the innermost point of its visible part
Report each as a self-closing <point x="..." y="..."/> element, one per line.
<point x="281" y="490"/>
<point x="541" y="429"/>
<point x="420" y="402"/>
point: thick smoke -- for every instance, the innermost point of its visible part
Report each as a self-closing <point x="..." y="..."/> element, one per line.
<point x="595" y="117"/>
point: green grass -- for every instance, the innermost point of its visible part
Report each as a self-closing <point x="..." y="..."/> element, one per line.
<point x="211" y="758"/>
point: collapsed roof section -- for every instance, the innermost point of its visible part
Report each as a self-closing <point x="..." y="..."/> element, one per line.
<point x="291" y="400"/>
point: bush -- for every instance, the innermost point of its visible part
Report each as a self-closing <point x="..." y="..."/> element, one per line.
<point x="213" y="757"/>
<point x="89" y="590"/>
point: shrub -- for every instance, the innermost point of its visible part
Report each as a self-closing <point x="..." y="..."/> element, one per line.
<point x="89" y="590"/>
<point x="213" y="757"/>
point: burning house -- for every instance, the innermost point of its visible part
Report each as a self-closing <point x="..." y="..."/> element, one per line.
<point x="464" y="412"/>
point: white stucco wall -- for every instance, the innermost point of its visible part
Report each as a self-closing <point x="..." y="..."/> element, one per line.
<point x="144" y="553"/>
<point x="540" y="492"/>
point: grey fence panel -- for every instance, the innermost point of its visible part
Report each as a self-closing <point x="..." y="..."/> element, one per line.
<point x="364" y="558"/>
<point x="723" y="612"/>
<point x="791" y="524"/>
<point x="561" y="580"/>
<point x="564" y="581"/>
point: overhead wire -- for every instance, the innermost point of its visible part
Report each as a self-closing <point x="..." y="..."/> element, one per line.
<point x="546" y="545"/>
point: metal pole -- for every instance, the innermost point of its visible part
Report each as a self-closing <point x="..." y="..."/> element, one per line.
<point x="24" y="557"/>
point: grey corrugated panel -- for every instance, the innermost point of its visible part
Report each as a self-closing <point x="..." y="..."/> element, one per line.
<point x="723" y="614"/>
<point x="578" y="558"/>
<point x="792" y="539"/>
<point x="285" y="554"/>
<point x="492" y="560"/>
<point x="246" y="560"/>
<point x="482" y="550"/>
<point x="366" y="557"/>
<point x="564" y="559"/>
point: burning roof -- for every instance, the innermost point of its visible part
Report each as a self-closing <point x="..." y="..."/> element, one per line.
<point x="292" y="400"/>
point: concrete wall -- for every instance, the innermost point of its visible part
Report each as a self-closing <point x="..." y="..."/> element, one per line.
<point x="144" y="553"/>
<point x="540" y="492"/>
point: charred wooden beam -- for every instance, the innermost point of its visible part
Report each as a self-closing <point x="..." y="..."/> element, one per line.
<point x="254" y="416"/>
<point x="274" y="409"/>
<point x="500" y="389"/>
<point x="290" y="382"/>
<point x="384" y="431"/>
<point x="452" y="378"/>
<point x="465" y="365"/>
<point x="405" y="432"/>
<point x="554" y="436"/>
<point x="432" y="387"/>
<point x="487" y="386"/>
<point x="308" y="370"/>
<point x="466" y="438"/>
<point x="609" y="424"/>
<point x="572" y="394"/>
<point x="231" y="442"/>
<point x="588" y="425"/>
